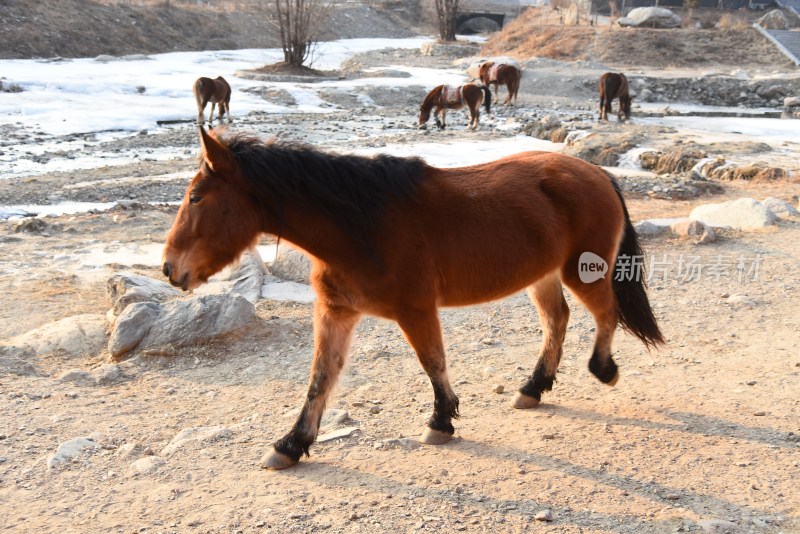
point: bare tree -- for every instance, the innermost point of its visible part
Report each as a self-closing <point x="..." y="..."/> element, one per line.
<point x="299" y="23"/>
<point x="447" y="11"/>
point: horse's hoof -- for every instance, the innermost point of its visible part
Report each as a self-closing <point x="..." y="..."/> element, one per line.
<point x="435" y="437"/>
<point x="524" y="402"/>
<point x="614" y="379"/>
<point x="276" y="460"/>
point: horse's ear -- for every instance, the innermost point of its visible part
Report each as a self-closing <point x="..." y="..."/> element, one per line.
<point x="215" y="154"/>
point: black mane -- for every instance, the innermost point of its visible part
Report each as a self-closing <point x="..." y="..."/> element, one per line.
<point x="353" y="191"/>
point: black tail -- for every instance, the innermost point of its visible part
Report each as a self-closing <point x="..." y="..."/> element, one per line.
<point x="635" y="314"/>
<point x="487" y="99"/>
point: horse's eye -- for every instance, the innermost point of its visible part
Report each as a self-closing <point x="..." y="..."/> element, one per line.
<point x="194" y="199"/>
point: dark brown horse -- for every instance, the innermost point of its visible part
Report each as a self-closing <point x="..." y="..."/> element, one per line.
<point x="444" y="97"/>
<point x="396" y="238"/>
<point x="491" y="73"/>
<point x="614" y="85"/>
<point x="216" y="91"/>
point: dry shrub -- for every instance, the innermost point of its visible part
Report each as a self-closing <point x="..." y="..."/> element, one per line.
<point x="733" y="21"/>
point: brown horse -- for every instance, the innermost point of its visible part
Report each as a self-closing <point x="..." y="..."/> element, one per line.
<point x="396" y="238"/>
<point x="614" y="85"/>
<point x="491" y="73"/>
<point x="444" y="97"/>
<point x="216" y="91"/>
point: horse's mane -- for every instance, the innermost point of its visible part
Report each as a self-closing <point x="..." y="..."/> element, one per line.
<point x="427" y="102"/>
<point x="353" y="191"/>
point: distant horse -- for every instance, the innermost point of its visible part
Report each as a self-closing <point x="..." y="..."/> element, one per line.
<point x="396" y="238"/>
<point x="501" y="73"/>
<point x="444" y="97"/>
<point x="614" y="85"/>
<point x="216" y="91"/>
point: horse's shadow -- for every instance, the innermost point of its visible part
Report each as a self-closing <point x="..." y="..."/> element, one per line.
<point x="686" y="422"/>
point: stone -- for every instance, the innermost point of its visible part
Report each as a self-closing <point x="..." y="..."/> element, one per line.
<point x="780" y="208"/>
<point x="650" y="17"/>
<point x="688" y="228"/>
<point x="708" y="236"/>
<point x="145" y="465"/>
<point x="245" y="278"/>
<point x="124" y="289"/>
<point x="78" y="377"/>
<point x="79" y="335"/>
<point x="740" y="214"/>
<point x="146" y="325"/>
<point x="499" y="388"/>
<point x="12" y="361"/>
<point x="130" y="451"/>
<point x="718" y="526"/>
<point x="649" y="228"/>
<point x="403" y="443"/>
<point x="291" y="264"/>
<point x="545" y="515"/>
<point x="774" y="20"/>
<point x="69" y="450"/>
<point x="337" y="434"/>
<point x="105" y="374"/>
<point x="196" y="437"/>
<point x="791" y="102"/>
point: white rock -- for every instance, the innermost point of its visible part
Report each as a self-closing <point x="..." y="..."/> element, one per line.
<point x="336" y="434"/>
<point x="145" y="465"/>
<point x="545" y="515"/>
<point x="741" y="214"/>
<point x="780" y="208"/>
<point x="80" y="335"/>
<point x="650" y="17"/>
<point x="70" y="449"/>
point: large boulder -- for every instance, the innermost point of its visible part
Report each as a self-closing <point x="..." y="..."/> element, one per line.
<point x="774" y="20"/>
<point x="79" y="335"/>
<point x="740" y="214"/>
<point x="650" y="17"/>
<point x="178" y="323"/>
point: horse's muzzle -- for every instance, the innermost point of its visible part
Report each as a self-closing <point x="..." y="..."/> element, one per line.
<point x="183" y="283"/>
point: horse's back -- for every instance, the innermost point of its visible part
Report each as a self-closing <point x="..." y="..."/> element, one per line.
<point x="613" y="84"/>
<point x="511" y="221"/>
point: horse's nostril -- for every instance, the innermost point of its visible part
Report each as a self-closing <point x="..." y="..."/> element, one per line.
<point x="166" y="269"/>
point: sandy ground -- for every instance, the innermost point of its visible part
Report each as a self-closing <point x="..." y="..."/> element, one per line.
<point x="702" y="435"/>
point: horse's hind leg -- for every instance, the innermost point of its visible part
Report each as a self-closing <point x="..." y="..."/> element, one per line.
<point x="333" y="330"/>
<point x="423" y="332"/>
<point x="211" y="114"/>
<point x="548" y="296"/>
<point x="599" y="299"/>
<point x="201" y="107"/>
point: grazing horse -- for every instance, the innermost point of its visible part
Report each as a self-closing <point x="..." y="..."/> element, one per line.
<point x="501" y="73"/>
<point x="396" y="238"/>
<point x="216" y="91"/>
<point x="614" y="85"/>
<point x="444" y="97"/>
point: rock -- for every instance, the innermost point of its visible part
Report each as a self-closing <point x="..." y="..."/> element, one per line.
<point x="336" y="434"/>
<point x="545" y="515"/>
<point x="31" y="226"/>
<point x="708" y="236"/>
<point x="741" y="214"/>
<point x="774" y="20"/>
<point x="791" y="102"/>
<point x="245" y="278"/>
<point x="146" y="465"/>
<point x="718" y="526"/>
<point x="742" y="300"/>
<point x="130" y="451"/>
<point x="80" y="335"/>
<point x="780" y="208"/>
<point x="12" y="361"/>
<point x="124" y="289"/>
<point x="499" y="388"/>
<point x="333" y="418"/>
<point x="688" y="228"/>
<point x="403" y="443"/>
<point x="291" y="264"/>
<point x="78" y="377"/>
<point x="196" y="437"/>
<point x="649" y="228"/>
<point x="71" y="449"/>
<point x="677" y="161"/>
<point x="105" y="374"/>
<point x="650" y="17"/>
<point x="179" y="322"/>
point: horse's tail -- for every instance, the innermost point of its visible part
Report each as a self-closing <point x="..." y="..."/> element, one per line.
<point x="198" y="88"/>
<point x="515" y="83"/>
<point x="487" y="99"/>
<point x="635" y="313"/>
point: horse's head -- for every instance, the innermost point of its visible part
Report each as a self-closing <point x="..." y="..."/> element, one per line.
<point x="625" y="105"/>
<point x="216" y="221"/>
<point x="483" y="71"/>
<point x="424" y="115"/>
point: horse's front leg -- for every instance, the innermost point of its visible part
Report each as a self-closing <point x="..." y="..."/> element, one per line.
<point x="423" y="332"/>
<point x="333" y="331"/>
<point x="211" y="115"/>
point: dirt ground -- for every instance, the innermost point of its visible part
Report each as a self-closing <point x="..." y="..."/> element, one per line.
<point x="702" y="435"/>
